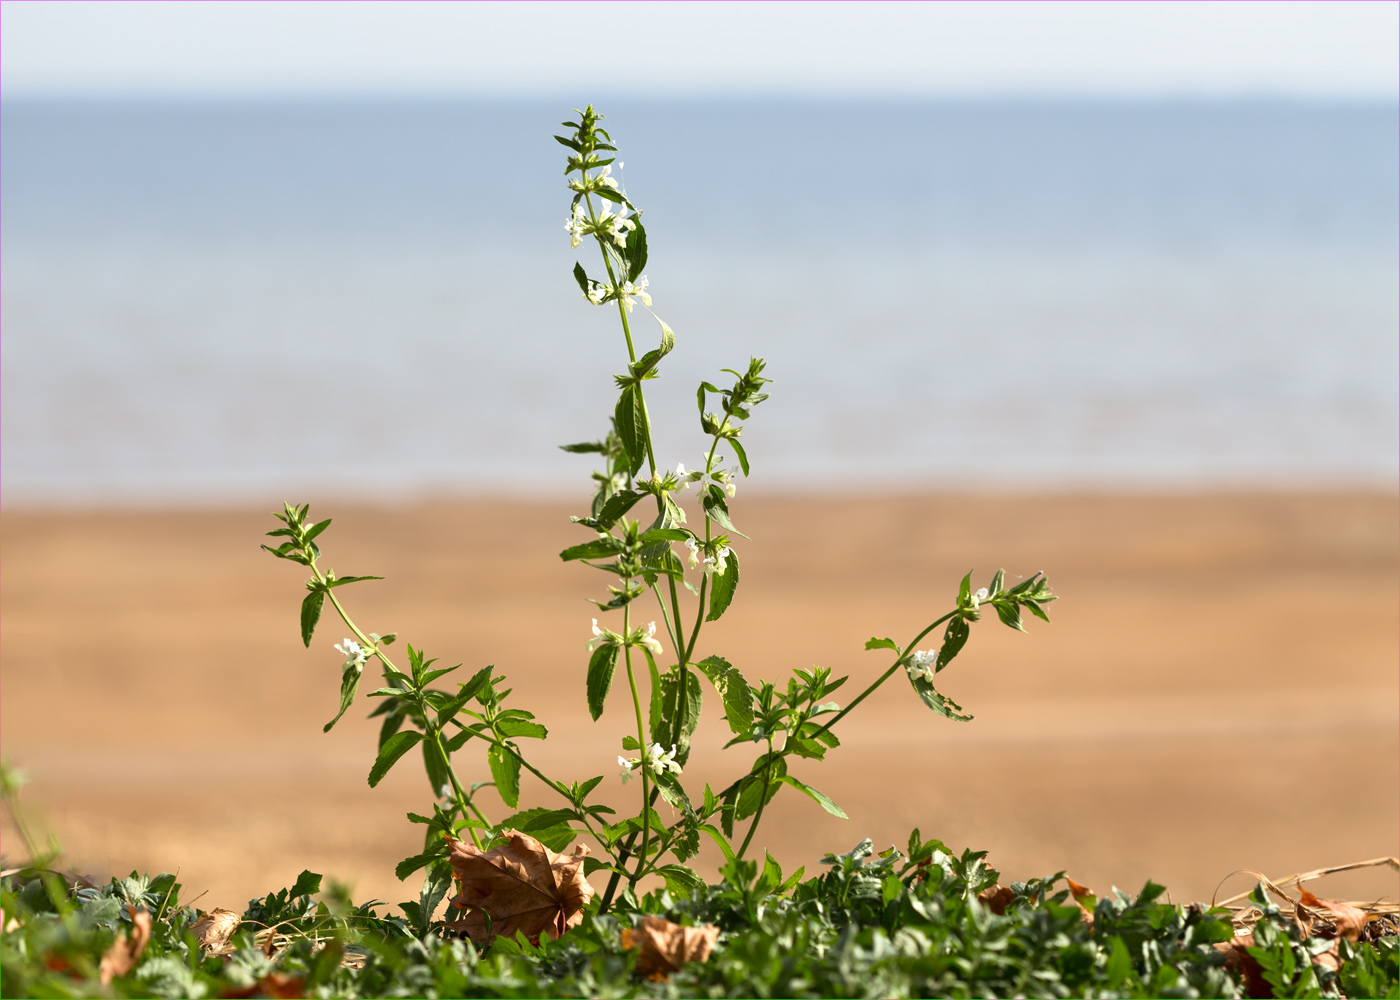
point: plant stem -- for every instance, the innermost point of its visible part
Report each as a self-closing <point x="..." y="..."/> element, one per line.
<point x="642" y="741"/>
<point x="883" y="677"/>
<point x="762" y="801"/>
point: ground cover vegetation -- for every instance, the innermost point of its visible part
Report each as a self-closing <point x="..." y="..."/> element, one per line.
<point x="502" y="910"/>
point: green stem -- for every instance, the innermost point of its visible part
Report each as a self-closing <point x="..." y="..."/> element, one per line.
<point x="464" y="804"/>
<point x="883" y="677"/>
<point x="762" y="801"/>
<point x="642" y="741"/>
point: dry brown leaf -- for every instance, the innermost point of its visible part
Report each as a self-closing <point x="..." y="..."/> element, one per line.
<point x="522" y="885"/>
<point x="996" y="898"/>
<point x="1349" y="920"/>
<point x="213" y="929"/>
<point x="1084" y="896"/>
<point x="126" y="950"/>
<point x="1243" y="964"/>
<point x="665" y="946"/>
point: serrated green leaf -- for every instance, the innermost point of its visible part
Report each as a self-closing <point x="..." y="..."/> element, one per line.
<point x="722" y="587"/>
<point x="631" y="419"/>
<point x="681" y="880"/>
<point x="308" y="883"/>
<point x="505" y="771"/>
<point x="599" y="548"/>
<point x="311" y="614"/>
<point x="521" y="728"/>
<point x="733" y="691"/>
<point x="954" y="638"/>
<point x="600" y="674"/>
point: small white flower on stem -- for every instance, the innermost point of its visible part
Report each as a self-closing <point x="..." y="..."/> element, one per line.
<point x="660" y="761"/>
<point x="627" y="763"/>
<point x="597" y="294"/>
<point x="639" y="290"/>
<point x="354" y="655"/>
<point x="922" y="664"/>
<point x="574" y="226"/>
<point x="647" y="637"/>
<point x="979" y="597"/>
<point x="602" y="637"/>
<point x="694" y="548"/>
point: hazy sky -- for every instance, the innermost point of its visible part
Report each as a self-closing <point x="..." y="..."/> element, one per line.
<point x="1329" y="48"/>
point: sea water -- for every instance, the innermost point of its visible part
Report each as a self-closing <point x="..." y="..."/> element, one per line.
<point x="225" y="301"/>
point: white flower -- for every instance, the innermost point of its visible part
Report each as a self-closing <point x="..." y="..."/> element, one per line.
<point x="602" y="637"/>
<point x="922" y="664"/>
<point x="661" y="762"/>
<point x="718" y="562"/>
<point x="574" y="226"/>
<point x="694" y="548"/>
<point x="597" y="294"/>
<point x="723" y="478"/>
<point x="629" y="764"/>
<point x="628" y="290"/>
<point x="647" y="637"/>
<point x="979" y="597"/>
<point x="353" y="653"/>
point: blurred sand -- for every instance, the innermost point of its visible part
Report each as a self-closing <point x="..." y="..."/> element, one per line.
<point x="1217" y="689"/>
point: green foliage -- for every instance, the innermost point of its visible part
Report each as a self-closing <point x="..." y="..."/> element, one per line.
<point x="642" y="537"/>
<point x="887" y="924"/>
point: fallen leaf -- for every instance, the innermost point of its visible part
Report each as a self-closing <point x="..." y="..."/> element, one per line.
<point x="1085" y="897"/>
<point x="1349" y="920"/>
<point x="996" y="898"/>
<point x="1239" y="961"/>
<point x="665" y="946"/>
<point x="126" y="950"/>
<point x="521" y="885"/>
<point x="213" y="929"/>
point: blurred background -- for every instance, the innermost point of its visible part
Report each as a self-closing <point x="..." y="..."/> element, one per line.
<point x="1108" y="290"/>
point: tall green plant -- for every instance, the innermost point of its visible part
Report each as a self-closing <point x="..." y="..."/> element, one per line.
<point x="692" y="572"/>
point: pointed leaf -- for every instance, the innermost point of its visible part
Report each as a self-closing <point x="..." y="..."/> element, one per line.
<point x="311" y="614"/>
<point x="505" y="771"/>
<point x="722" y="587"/>
<point x="394" y="748"/>
<point x="600" y="675"/>
<point x="818" y="797"/>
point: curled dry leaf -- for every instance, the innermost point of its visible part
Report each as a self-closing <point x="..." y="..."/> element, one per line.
<point x="521" y="885"/>
<point x="1085" y="897"/>
<point x="213" y="929"/>
<point x="126" y="950"/>
<point x="1349" y="920"/>
<point x="665" y="947"/>
<point x="996" y="898"/>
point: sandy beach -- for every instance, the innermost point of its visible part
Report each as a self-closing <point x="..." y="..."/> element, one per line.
<point x="1217" y="689"/>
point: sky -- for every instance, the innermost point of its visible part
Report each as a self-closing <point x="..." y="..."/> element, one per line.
<point x="951" y="49"/>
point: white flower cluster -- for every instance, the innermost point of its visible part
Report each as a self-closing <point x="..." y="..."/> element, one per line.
<point x="613" y="223"/>
<point x="627" y="293"/>
<point x="921" y="665"/>
<point x="723" y="478"/>
<point x="640" y="637"/>
<point x="657" y="760"/>
<point x="979" y="597"/>
<point x="354" y="654"/>
<point x="715" y="562"/>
